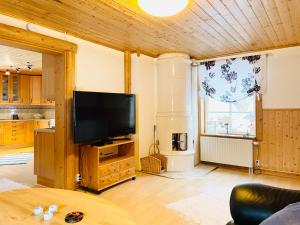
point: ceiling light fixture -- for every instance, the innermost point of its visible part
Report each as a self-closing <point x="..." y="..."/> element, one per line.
<point x="29" y="65"/>
<point x="163" y="8"/>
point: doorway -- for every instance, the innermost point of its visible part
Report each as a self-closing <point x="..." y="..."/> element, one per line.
<point x="24" y="109"/>
<point x="65" y="155"/>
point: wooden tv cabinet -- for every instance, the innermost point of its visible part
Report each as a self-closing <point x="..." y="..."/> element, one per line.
<point x="100" y="172"/>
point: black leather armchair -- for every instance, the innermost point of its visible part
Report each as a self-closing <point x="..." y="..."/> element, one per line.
<point x="250" y="204"/>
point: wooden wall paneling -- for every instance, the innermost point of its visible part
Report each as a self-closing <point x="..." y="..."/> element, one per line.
<point x="127" y="72"/>
<point x="280" y="148"/>
<point x="48" y="78"/>
<point x="66" y="156"/>
<point x="259" y="118"/>
<point x="72" y="151"/>
<point x="263" y="154"/>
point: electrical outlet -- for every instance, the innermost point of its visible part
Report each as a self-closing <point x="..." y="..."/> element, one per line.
<point x="257" y="163"/>
<point x="78" y="177"/>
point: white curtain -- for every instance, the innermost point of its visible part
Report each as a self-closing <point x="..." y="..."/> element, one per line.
<point x="234" y="79"/>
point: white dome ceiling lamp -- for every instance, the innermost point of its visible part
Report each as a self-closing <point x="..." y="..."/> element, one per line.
<point x="163" y="8"/>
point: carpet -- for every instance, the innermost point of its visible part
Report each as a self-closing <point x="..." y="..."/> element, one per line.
<point x="15" y="159"/>
<point x="198" y="172"/>
<point x="8" y="185"/>
<point x="203" y="209"/>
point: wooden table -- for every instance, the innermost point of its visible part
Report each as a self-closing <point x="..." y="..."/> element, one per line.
<point x="16" y="207"/>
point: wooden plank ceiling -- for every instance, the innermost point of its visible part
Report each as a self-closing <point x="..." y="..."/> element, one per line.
<point x="206" y="29"/>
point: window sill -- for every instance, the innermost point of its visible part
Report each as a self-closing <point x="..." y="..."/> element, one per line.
<point x="230" y="136"/>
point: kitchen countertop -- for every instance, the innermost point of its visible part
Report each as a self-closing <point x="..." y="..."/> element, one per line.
<point x="20" y="120"/>
<point x="45" y="130"/>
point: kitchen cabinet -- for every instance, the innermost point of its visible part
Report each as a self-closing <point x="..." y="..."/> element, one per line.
<point x="10" y="88"/>
<point x="14" y="88"/>
<point x="30" y="126"/>
<point x="44" y="141"/>
<point x="36" y="90"/>
<point x="4" y="87"/>
<point x="20" y="132"/>
<point x="14" y="133"/>
<point x="1" y="134"/>
<point x="25" y="89"/>
<point x="50" y="68"/>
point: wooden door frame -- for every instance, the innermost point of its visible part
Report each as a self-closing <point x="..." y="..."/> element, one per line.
<point x="65" y="156"/>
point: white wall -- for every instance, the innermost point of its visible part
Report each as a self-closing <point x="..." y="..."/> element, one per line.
<point x="98" y="68"/>
<point x="143" y="85"/>
<point x="102" y="69"/>
<point x="283" y="79"/>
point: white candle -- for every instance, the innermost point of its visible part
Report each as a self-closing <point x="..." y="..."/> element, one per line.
<point x="53" y="208"/>
<point x="38" y="210"/>
<point x="48" y="216"/>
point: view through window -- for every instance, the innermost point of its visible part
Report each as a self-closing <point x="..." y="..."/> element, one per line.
<point x="236" y="118"/>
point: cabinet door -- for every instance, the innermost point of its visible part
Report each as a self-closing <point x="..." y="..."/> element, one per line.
<point x="29" y="134"/>
<point x="15" y="89"/>
<point x="25" y="89"/>
<point x="4" y="88"/>
<point x="42" y="124"/>
<point x="36" y="89"/>
<point x="51" y="65"/>
<point x="1" y="133"/>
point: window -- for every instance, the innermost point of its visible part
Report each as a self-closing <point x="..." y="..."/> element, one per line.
<point x="230" y="118"/>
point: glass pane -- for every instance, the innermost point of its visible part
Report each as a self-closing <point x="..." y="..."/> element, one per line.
<point x="4" y="88"/>
<point x="216" y="122"/>
<point x="242" y="123"/>
<point x="230" y="118"/>
<point x="15" y="88"/>
<point x="216" y="106"/>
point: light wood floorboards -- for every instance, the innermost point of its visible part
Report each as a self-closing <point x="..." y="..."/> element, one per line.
<point x="162" y="201"/>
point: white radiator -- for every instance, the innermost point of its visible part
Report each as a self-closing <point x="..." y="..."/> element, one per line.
<point x="230" y="151"/>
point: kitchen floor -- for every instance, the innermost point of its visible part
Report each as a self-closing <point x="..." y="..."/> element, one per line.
<point x="22" y="173"/>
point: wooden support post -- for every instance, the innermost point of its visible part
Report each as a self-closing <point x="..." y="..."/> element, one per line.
<point x="127" y="72"/>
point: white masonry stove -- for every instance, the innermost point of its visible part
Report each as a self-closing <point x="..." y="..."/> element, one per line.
<point x="174" y="111"/>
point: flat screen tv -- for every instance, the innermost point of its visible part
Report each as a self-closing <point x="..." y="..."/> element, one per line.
<point x="98" y="116"/>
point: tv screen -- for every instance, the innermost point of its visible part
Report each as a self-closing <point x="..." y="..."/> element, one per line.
<point x="100" y="116"/>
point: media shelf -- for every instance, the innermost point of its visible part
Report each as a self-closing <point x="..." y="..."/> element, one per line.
<point x="105" y="166"/>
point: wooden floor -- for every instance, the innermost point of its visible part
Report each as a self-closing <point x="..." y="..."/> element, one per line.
<point x="162" y="201"/>
<point x="157" y="200"/>
<point x="19" y="173"/>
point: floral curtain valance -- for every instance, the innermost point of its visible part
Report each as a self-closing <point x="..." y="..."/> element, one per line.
<point x="234" y="79"/>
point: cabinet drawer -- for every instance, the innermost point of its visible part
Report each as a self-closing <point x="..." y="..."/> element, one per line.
<point x="108" y="169"/>
<point x="14" y="128"/>
<point x="126" y="173"/>
<point x="108" y="180"/>
<point x="127" y="163"/>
